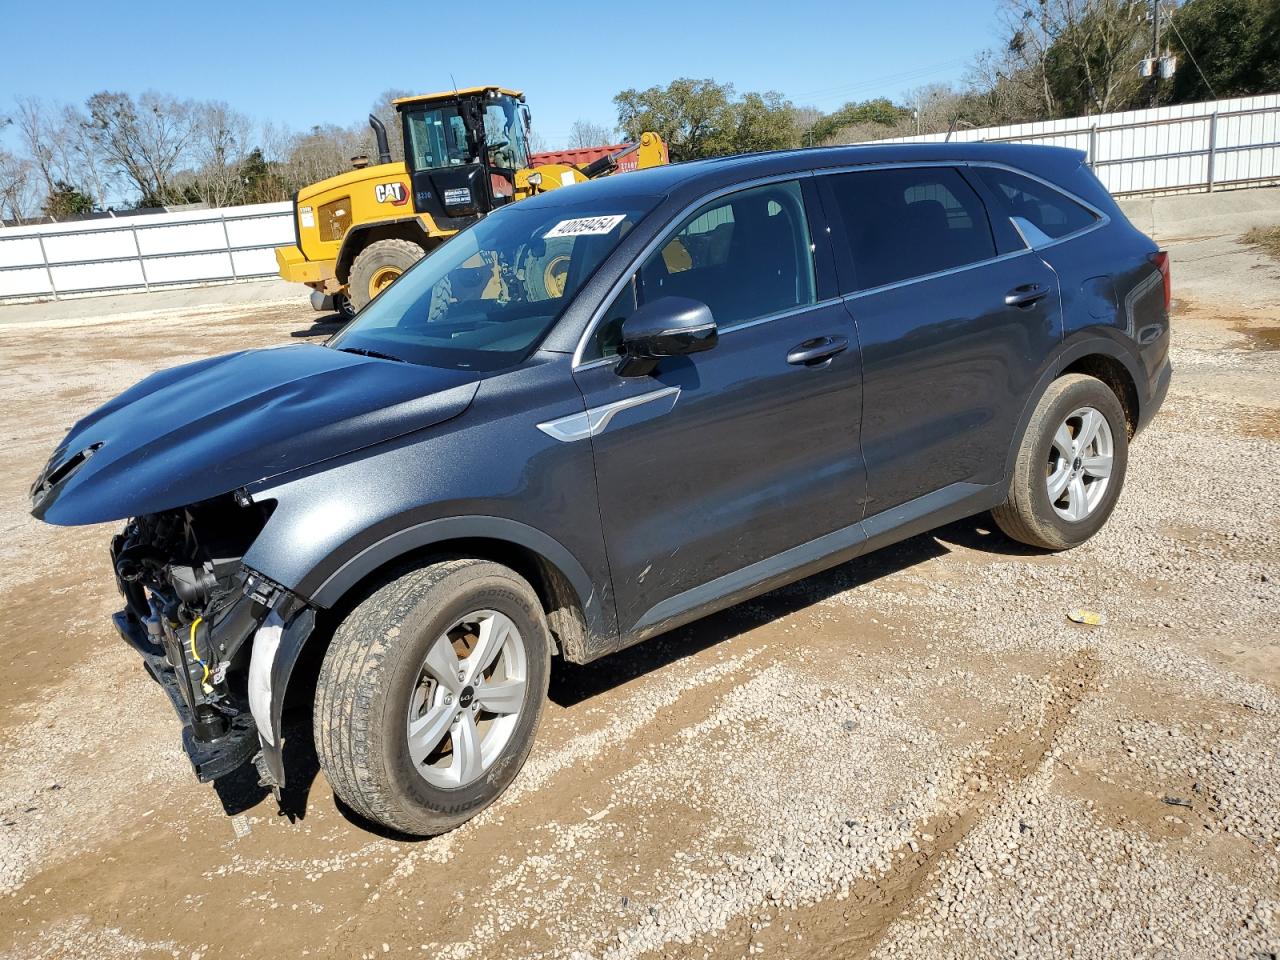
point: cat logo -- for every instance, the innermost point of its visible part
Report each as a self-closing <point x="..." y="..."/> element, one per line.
<point x="396" y="194"/>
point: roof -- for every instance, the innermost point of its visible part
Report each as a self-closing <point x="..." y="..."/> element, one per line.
<point x="451" y="94"/>
<point x="698" y="176"/>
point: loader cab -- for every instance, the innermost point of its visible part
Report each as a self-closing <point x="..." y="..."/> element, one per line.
<point x="462" y="151"/>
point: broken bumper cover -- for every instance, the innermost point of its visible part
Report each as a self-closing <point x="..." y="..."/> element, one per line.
<point x="212" y="758"/>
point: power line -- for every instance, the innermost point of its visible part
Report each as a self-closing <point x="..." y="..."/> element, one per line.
<point x="1191" y="57"/>
<point x="828" y="93"/>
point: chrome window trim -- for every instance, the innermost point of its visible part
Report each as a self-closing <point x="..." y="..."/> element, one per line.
<point x="937" y="273"/>
<point x="656" y="243"/>
<point x="741" y="325"/>
<point x="1102" y="220"/>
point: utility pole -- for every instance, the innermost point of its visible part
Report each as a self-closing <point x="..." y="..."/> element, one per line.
<point x="1155" y="53"/>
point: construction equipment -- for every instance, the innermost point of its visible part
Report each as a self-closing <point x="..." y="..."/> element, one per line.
<point x="466" y="154"/>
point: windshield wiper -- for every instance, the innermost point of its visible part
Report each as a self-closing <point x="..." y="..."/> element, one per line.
<point x="370" y="353"/>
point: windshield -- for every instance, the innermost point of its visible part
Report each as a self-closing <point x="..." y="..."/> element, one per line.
<point x="438" y="138"/>
<point x="485" y="299"/>
<point x="505" y="133"/>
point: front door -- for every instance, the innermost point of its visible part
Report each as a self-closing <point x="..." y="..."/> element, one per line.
<point x="714" y="467"/>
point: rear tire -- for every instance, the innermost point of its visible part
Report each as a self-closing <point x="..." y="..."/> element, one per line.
<point x="377" y="266"/>
<point x="385" y="689"/>
<point x="1070" y="466"/>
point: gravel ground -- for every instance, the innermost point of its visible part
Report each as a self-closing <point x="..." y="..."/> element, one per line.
<point x="913" y="755"/>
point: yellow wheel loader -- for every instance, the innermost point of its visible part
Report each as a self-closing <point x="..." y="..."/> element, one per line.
<point x="466" y="154"/>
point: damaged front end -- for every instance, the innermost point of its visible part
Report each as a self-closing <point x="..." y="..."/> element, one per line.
<point x="208" y="629"/>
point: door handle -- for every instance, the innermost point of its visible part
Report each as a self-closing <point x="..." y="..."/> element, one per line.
<point x="1026" y="295"/>
<point x="817" y="350"/>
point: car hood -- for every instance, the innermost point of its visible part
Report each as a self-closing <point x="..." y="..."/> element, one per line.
<point x="203" y="429"/>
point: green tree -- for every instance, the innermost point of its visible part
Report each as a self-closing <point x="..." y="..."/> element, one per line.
<point x="1235" y="42"/>
<point x="702" y="118"/>
<point x="66" y="200"/>
<point x="880" y="111"/>
<point x="694" y="117"/>
<point x="763" y="121"/>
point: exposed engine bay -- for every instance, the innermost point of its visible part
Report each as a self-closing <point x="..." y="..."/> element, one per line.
<point x="192" y="609"/>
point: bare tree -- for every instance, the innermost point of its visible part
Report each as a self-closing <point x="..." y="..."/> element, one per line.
<point x="89" y="168"/>
<point x="17" y="198"/>
<point x="46" y="140"/>
<point x="384" y="109"/>
<point x="584" y="133"/>
<point x="146" y="141"/>
<point x="219" y="146"/>
<point x="1076" y="55"/>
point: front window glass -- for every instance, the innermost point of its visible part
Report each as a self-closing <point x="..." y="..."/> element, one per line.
<point x="438" y="138"/>
<point x="746" y="256"/>
<point x="484" y="299"/>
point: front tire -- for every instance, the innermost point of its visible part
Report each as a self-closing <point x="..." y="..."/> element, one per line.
<point x="430" y="694"/>
<point x="377" y="266"/>
<point x="1070" y="466"/>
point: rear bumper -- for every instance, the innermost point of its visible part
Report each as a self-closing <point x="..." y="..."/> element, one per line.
<point x="212" y="758"/>
<point x="1159" y="389"/>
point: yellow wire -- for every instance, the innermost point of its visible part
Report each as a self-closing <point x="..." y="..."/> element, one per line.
<point x="204" y="681"/>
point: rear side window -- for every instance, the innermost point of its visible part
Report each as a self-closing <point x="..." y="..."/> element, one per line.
<point x="746" y="256"/>
<point x="1040" y="212"/>
<point x="911" y="222"/>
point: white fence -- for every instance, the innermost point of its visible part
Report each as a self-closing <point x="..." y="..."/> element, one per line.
<point x="1195" y="146"/>
<point x="143" y="252"/>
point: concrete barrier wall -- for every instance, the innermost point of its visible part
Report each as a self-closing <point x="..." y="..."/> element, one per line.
<point x="1193" y="146"/>
<point x="1197" y="146"/>
<point x="143" y="252"/>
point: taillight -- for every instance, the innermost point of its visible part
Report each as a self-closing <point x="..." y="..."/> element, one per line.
<point x="1161" y="260"/>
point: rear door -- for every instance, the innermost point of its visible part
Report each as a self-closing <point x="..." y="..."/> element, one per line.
<point x="953" y="331"/>
<point x="717" y="464"/>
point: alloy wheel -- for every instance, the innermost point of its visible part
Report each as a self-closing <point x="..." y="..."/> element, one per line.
<point x="1078" y="471"/>
<point x="467" y="699"/>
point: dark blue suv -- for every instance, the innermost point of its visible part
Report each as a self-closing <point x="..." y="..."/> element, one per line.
<point x="598" y="414"/>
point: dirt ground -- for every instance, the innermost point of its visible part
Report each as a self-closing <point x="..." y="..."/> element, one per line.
<point x="913" y="755"/>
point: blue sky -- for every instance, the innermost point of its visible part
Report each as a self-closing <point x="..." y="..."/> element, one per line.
<point x="302" y="64"/>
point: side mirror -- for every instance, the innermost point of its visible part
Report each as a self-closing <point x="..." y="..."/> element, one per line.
<point x="668" y="327"/>
<point x="499" y="143"/>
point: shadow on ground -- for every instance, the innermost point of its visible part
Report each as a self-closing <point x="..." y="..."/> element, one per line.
<point x="572" y="684"/>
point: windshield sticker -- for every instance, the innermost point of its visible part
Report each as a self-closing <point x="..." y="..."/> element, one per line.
<point x="585" y="226"/>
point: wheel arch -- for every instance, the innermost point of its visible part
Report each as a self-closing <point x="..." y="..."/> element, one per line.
<point x="1096" y="356"/>
<point x="568" y="594"/>
<point x="357" y="238"/>
<point x="580" y="631"/>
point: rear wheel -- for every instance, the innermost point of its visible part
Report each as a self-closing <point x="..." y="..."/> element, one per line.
<point x="430" y="694"/>
<point x="377" y="266"/>
<point x="1070" y="466"/>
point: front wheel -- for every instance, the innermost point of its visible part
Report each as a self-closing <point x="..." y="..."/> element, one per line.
<point x="1070" y="466"/>
<point x="377" y="266"/>
<point x="430" y="694"/>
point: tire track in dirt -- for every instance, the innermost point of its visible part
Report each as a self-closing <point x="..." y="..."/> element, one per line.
<point x="852" y="927"/>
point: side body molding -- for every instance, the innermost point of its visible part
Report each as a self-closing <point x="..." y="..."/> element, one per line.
<point x="590" y="423"/>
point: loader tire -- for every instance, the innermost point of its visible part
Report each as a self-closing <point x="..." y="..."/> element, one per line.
<point x="377" y="265"/>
